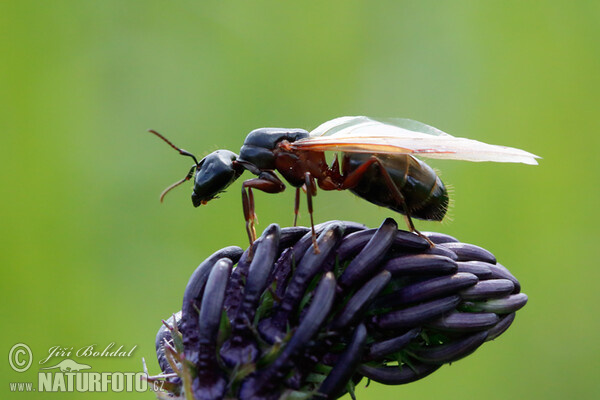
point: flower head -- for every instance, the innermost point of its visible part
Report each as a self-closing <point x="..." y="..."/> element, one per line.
<point x="287" y="322"/>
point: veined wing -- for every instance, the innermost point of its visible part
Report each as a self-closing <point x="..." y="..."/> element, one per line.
<point x="366" y="135"/>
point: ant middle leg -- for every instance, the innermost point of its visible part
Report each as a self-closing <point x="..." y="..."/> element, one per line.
<point x="311" y="190"/>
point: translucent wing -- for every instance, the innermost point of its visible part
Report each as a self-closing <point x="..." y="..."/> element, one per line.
<point x="366" y="135"/>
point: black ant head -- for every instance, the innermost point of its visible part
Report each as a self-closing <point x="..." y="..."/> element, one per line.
<point x="214" y="173"/>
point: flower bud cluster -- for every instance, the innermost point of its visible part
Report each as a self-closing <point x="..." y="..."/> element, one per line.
<point x="289" y="322"/>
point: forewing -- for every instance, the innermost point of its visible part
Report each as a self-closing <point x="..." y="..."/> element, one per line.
<point x="366" y="135"/>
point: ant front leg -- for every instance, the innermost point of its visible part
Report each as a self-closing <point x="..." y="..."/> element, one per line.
<point x="311" y="190"/>
<point x="296" y="206"/>
<point x="267" y="182"/>
<point x="353" y="178"/>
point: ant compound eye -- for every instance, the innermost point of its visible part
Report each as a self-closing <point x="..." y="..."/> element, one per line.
<point x="216" y="172"/>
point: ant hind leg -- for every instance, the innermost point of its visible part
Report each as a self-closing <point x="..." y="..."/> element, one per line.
<point x="353" y="178"/>
<point x="400" y="199"/>
<point x="311" y="190"/>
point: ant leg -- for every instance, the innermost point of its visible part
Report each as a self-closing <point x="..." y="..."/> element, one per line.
<point x="267" y="182"/>
<point x="332" y="177"/>
<point x="296" y="206"/>
<point x="334" y="169"/>
<point x="352" y="180"/>
<point x="311" y="190"/>
<point x="252" y="208"/>
<point x="248" y="207"/>
<point x="400" y="199"/>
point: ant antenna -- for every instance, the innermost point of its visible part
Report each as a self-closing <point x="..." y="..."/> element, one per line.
<point x="181" y="151"/>
<point x="174" y="185"/>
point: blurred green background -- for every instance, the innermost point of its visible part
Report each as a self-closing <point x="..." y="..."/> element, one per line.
<point x="89" y="256"/>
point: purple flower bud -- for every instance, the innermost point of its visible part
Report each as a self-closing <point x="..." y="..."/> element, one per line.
<point x="211" y="307"/>
<point x="501" y="327"/>
<point x="281" y="272"/>
<point x="439" y="238"/>
<point x="273" y="328"/>
<point x="451" y="351"/>
<point x="210" y="382"/>
<point x="368" y="260"/>
<point x="290" y="235"/>
<point x="464" y="322"/>
<point x="410" y="317"/>
<point x="357" y="305"/>
<point x="500" y="272"/>
<point x="355" y="242"/>
<point x="421" y="264"/>
<point x="394" y="375"/>
<point x="240" y="349"/>
<point x="505" y="305"/>
<point x="479" y="268"/>
<point x="441" y="251"/>
<point x="306" y="241"/>
<point x="488" y="289"/>
<point x="338" y="378"/>
<point x="262" y="384"/>
<point x="469" y="252"/>
<point x="428" y="289"/>
<point x="235" y="287"/>
<point x="393" y="345"/>
<point x="258" y="273"/>
<point x="193" y="294"/>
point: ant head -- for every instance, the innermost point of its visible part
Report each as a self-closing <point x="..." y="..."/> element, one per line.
<point x="214" y="174"/>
